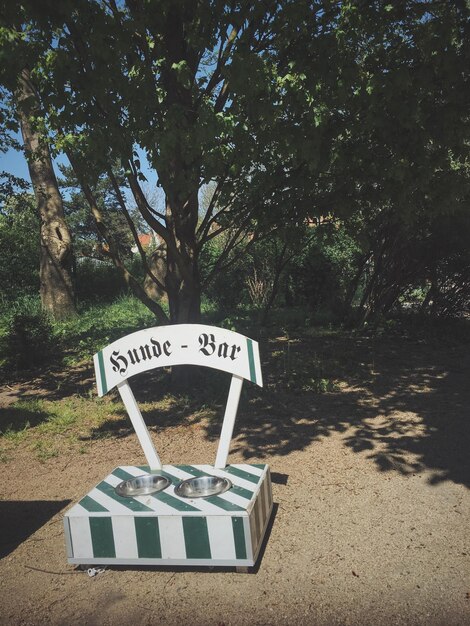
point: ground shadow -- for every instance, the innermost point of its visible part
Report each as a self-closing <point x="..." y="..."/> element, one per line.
<point x="400" y="401"/>
<point x="22" y="518"/>
<point x="15" y="419"/>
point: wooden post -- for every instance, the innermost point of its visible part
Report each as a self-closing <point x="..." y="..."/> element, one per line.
<point x="139" y="426"/>
<point x="229" y="421"/>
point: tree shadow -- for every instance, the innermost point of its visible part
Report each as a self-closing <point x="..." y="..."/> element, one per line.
<point x="22" y="518"/>
<point x="161" y="409"/>
<point x="403" y="405"/>
<point x="14" y="419"/>
<point x="398" y="401"/>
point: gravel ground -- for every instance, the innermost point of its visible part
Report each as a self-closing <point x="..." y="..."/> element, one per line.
<point x="371" y="485"/>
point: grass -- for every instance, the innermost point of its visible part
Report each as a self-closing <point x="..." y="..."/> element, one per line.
<point x="98" y="325"/>
<point x="298" y="359"/>
<point x="49" y="428"/>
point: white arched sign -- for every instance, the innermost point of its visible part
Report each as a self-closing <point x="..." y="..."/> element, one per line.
<point x="183" y="344"/>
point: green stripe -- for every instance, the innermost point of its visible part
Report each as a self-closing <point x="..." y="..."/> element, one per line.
<point x="102" y="537"/>
<point x="239" y="491"/>
<point x="260" y="466"/>
<point x="251" y="360"/>
<point x="242" y="474"/>
<point x="239" y="537"/>
<point x="189" y="469"/>
<point x="196" y="538"/>
<point x="104" y="384"/>
<point x="91" y="505"/>
<point x="130" y="503"/>
<point x="174" y="502"/>
<point x="122" y="474"/>
<point x="225" y="504"/>
<point x="148" y="537"/>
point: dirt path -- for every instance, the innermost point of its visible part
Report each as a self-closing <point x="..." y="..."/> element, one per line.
<point x="371" y="525"/>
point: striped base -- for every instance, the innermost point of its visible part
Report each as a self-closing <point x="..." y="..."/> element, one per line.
<point x="164" y="529"/>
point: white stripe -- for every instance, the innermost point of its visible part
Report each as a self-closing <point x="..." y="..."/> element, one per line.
<point x="270" y="488"/>
<point x="234" y="498"/>
<point x="134" y="471"/>
<point x="253" y="530"/>
<point x="259" y="375"/>
<point x="250" y="469"/>
<point x="172" y="538"/>
<point x="81" y="537"/>
<point x="125" y="541"/>
<point x="260" y="514"/>
<point x="266" y="497"/>
<point x="99" y="383"/>
<point x="221" y="540"/>
<point x="79" y="511"/>
<point x="239" y="482"/>
<point x="115" y="508"/>
<point x="176" y="471"/>
<point x="262" y="497"/>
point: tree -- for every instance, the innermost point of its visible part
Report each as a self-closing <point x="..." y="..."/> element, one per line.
<point x="407" y="143"/>
<point x="19" y="251"/>
<point x="200" y="87"/>
<point x="290" y="109"/>
<point x="56" y="289"/>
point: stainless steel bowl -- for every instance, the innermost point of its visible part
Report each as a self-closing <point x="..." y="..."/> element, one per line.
<point x="202" y="487"/>
<point x="142" y="485"/>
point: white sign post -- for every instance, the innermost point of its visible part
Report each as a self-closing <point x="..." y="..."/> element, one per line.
<point x="166" y="528"/>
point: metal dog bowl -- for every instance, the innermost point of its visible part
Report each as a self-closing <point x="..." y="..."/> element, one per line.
<point x="202" y="487"/>
<point x="142" y="485"/>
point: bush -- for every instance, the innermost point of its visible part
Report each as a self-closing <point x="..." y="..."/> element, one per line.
<point x="29" y="340"/>
<point x="227" y="289"/>
<point x="97" y="280"/>
<point x="321" y="274"/>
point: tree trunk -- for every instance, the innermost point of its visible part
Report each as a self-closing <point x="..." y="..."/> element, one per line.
<point x="280" y="265"/>
<point x="182" y="277"/>
<point x="182" y="280"/>
<point x="56" y="288"/>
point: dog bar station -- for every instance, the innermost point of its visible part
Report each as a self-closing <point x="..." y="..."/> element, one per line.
<point x="177" y="515"/>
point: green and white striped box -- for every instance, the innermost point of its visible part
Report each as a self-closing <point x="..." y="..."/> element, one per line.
<point x="165" y="529"/>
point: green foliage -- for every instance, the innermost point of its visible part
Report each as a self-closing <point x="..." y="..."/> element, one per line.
<point x="100" y="324"/>
<point x="87" y="240"/>
<point x="239" y="96"/>
<point x="19" y="246"/>
<point x="227" y="288"/>
<point x="97" y="281"/>
<point x="321" y="273"/>
<point x="29" y="339"/>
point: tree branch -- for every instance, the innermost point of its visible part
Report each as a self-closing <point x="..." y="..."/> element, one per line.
<point x="134" y="231"/>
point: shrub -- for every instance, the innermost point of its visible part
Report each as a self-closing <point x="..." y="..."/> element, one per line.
<point x="29" y="339"/>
